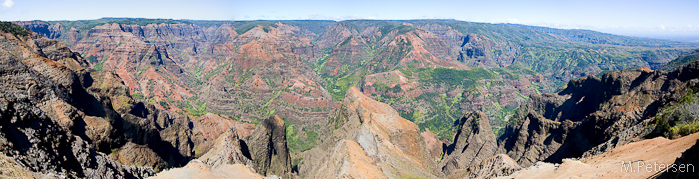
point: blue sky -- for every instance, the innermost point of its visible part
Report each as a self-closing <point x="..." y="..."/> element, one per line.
<point x="663" y="19"/>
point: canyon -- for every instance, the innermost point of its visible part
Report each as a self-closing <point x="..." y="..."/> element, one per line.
<point x="135" y="98"/>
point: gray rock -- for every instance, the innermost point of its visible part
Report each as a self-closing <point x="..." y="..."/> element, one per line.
<point x="228" y="149"/>
<point x="496" y="166"/>
<point x="593" y="115"/>
<point x="268" y="150"/>
<point x="473" y="143"/>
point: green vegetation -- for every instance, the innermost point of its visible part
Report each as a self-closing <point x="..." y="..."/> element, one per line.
<point x="314" y="26"/>
<point x="14" y="29"/>
<point x="441" y="156"/>
<point x="681" y="61"/>
<point x="363" y="24"/>
<point x="593" y="37"/>
<point x="680" y="120"/>
<point x="86" y="25"/>
<point x="466" y="78"/>
<point x="270" y="112"/>
<point x="443" y="111"/>
<point x="114" y="150"/>
<point x="215" y="71"/>
<point x="245" y="26"/>
<point x="98" y="66"/>
<point x="345" y="41"/>
<point x="543" y="36"/>
<point x="474" y="124"/>
<point x="339" y="87"/>
<point x="558" y="62"/>
<point x="194" y="106"/>
<point x="546" y="58"/>
<point x="143" y="21"/>
<point x="138" y="96"/>
<point x="396" y="88"/>
<point x="92" y="59"/>
<point x="296" y="140"/>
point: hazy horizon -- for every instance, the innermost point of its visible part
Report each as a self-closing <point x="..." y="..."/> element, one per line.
<point x="673" y="19"/>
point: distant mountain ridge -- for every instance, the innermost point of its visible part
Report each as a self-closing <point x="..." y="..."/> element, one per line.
<point x="589" y="36"/>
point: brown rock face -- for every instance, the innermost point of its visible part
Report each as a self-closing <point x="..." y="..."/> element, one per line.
<point x="269" y="67"/>
<point x="207" y="128"/>
<point x="139" y="155"/>
<point x="348" y="160"/>
<point x="45" y="97"/>
<point x="166" y="62"/>
<point x="9" y="168"/>
<point x="268" y="149"/>
<point x="497" y="166"/>
<point x="228" y="149"/>
<point x="593" y="115"/>
<point x="51" y="31"/>
<point x="229" y="157"/>
<point x="90" y="113"/>
<point x="393" y="143"/>
<point x="474" y="52"/>
<point x="473" y="143"/>
<point x="434" y="146"/>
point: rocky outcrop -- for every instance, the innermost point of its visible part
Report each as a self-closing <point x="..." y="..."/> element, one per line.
<point x="348" y="160"/>
<point x="473" y="143"/>
<point x="406" y="45"/>
<point x="92" y="113"/>
<point x="228" y="149"/>
<point x="336" y="34"/>
<point x="497" y="166"/>
<point x="51" y="31"/>
<point x="60" y="118"/>
<point x="643" y="159"/>
<point x="9" y="168"/>
<point x="593" y="115"/>
<point x="451" y="37"/>
<point x="209" y="127"/>
<point x="139" y="155"/>
<point x="113" y="118"/>
<point x="393" y="144"/>
<point x="231" y="157"/>
<point x="475" y="51"/>
<point x="42" y="118"/>
<point x="268" y="151"/>
<point x="435" y="147"/>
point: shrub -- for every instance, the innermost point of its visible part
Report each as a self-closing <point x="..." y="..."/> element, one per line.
<point x="680" y="120"/>
<point x="13" y="28"/>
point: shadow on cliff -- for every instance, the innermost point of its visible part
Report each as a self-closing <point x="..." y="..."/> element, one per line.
<point x="690" y="157"/>
<point x="128" y="127"/>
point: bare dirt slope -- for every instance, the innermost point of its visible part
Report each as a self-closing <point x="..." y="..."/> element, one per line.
<point x="199" y="170"/>
<point x="660" y="151"/>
